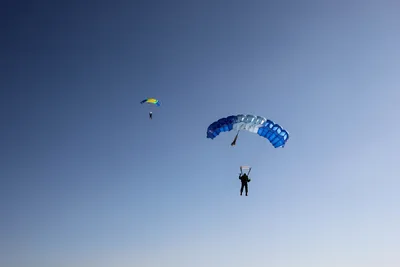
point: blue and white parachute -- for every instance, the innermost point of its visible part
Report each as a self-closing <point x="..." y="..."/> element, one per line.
<point x="254" y="124"/>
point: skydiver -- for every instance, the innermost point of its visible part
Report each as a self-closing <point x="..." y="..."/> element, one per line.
<point x="151" y="115"/>
<point x="244" y="179"/>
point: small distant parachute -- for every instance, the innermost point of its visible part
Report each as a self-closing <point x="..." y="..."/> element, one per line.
<point x="276" y="135"/>
<point x="151" y="101"/>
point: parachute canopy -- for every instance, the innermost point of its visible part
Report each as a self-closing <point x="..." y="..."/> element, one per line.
<point x="254" y="124"/>
<point x="151" y="101"/>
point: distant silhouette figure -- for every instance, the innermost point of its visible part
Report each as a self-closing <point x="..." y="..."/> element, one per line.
<point x="151" y="115"/>
<point x="244" y="179"/>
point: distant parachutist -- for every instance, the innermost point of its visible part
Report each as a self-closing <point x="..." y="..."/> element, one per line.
<point x="151" y="101"/>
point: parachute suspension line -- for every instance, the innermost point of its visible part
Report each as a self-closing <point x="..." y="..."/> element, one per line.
<point x="234" y="140"/>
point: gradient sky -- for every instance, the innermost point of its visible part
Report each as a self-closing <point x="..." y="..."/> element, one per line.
<point x="88" y="180"/>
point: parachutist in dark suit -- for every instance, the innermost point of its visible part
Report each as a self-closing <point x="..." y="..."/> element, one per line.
<point x="244" y="179"/>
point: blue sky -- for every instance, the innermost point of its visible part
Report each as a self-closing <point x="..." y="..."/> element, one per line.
<point x="88" y="180"/>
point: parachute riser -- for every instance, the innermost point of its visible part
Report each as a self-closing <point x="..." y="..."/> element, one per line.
<point x="247" y="168"/>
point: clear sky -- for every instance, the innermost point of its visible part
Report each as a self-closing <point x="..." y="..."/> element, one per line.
<point x="88" y="180"/>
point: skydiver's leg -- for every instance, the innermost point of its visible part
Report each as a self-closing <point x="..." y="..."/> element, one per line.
<point x="247" y="189"/>
<point x="241" y="189"/>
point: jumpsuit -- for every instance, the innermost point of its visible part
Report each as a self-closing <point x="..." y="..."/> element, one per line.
<point x="244" y="179"/>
